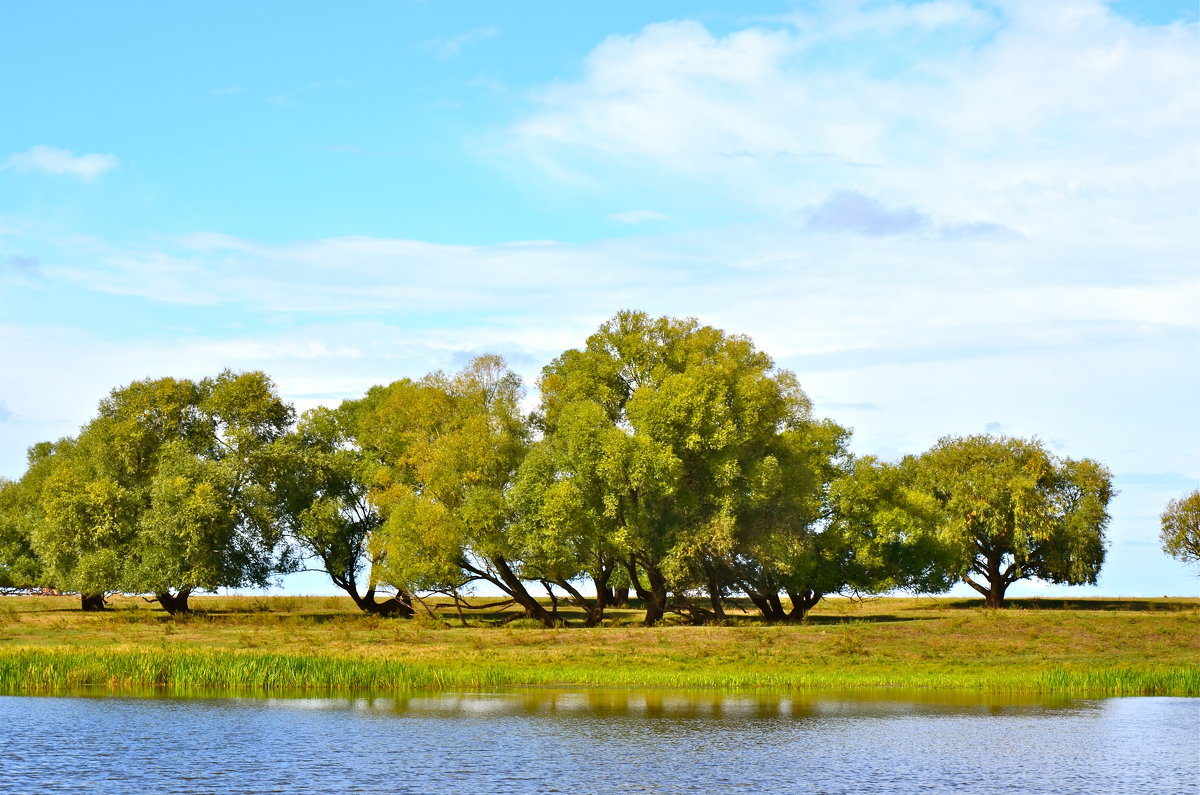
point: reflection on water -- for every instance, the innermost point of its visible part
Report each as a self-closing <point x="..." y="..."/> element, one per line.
<point x="682" y="703"/>
<point x="603" y="740"/>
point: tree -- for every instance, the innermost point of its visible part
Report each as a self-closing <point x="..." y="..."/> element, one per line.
<point x="572" y="505"/>
<point x="323" y="481"/>
<point x="884" y="532"/>
<point x="167" y="491"/>
<point x="686" y="447"/>
<point x="20" y="567"/>
<point x="1181" y="528"/>
<point x="446" y="451"/>
<point x="1009" y="510"/>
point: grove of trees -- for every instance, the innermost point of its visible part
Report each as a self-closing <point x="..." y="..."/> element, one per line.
<point x="664" y="458"/>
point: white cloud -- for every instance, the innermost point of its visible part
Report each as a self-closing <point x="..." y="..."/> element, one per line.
<point x="1028" y="115"/>
<point x="49" y="160"/>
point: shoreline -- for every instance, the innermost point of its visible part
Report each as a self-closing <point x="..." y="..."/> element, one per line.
<point x="1119" y="647"/>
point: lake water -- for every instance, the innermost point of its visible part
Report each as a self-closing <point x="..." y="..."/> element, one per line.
<point x="614" y="741"/>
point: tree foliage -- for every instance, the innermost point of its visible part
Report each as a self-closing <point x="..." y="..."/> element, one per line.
<point x="322" y="482"/>
<point x="166" y="491"/>
<point x="446" y="450"/>
<point x="20" y="567"/>
<point x="1181" y="528"/>
<point x="1010" y="510"/>
<point x="665" y="456"/>
<point x="691" y="460"/>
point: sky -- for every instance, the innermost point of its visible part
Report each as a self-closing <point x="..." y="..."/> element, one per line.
<point x="946" y="217"/>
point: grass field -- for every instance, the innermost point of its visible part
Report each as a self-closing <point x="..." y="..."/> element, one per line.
<point x="1093" y="646"/>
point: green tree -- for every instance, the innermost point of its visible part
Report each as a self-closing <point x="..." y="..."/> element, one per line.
<point x="784" y="541"/>
<point x="447" y="450"/>
<point x="884" y="533"/>
<point x="577" y="495"/>
<point x="167" y="491"/>
<point x="1181" y="528"/>
<point x="323" y="482"/>
<point x="1010" y="510"/>
<point x="691" y="453"/>
<point x="20" y="511"/>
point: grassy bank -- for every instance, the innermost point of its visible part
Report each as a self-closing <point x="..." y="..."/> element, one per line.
<point x="1117" y="647"/>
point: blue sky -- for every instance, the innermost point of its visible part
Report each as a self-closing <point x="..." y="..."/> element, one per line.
<point x="946" y="217"/>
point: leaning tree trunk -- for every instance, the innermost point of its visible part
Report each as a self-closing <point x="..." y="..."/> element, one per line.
<point x="174" y="604"/>
<point x="768" y="604"/>
<point x="511" y="583"/>
<point x="593" y="609"/>
<point x="398" y="606"/>
<point x="91" y="602"/>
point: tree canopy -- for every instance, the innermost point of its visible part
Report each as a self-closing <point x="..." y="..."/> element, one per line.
<point x="664" y="456"/>
<point x="1181" y="528"/>
<point x="1010" y="510"/>
<point x="165" y="491"/>
<point x="446" y="451"/>
<point x="693" y="462"/>
<point x="322" y="483"/>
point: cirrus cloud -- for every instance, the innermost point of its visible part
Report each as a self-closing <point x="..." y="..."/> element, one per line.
<point x="50" y="160"/>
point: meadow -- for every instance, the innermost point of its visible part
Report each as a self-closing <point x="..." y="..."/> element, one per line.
<point x="1074" y="646"/>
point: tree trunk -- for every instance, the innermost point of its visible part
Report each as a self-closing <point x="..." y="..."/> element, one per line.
<point x="656" y="603"/>
<point x="91" y="602"/>
<point x="997" y="584"/>
<point x="767" y="604"/>
<point x="513" y="586"/>
<point x="398" y="606"/>
<point x="174" y="604"/>
<point x="802" y="602"/>
<point x="997" y="581"/>
<point x="714" y="592"/>
<point x="620" y="597"/>
<point x="593" y="609"/>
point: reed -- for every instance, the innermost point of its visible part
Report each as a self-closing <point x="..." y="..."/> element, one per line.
<point x="62" y="670"/>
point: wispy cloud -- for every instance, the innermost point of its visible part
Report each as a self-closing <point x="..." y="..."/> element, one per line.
<point x="446" y="47"/>
<point x="847" y="210"/>
<point x="227" y="91"/>
<point x="949" y="102"/>
<point x="49" y="160"/>
<point x="851" y="211"/>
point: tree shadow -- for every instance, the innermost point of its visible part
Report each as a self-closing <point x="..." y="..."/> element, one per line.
<point x="1142" y="605"/>
<point x="872" y="619"/>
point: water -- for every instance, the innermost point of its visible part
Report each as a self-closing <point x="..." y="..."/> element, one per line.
<point x="599" y="741"/>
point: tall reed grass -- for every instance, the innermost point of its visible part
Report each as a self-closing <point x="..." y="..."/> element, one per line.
<point x="26" y="670"/>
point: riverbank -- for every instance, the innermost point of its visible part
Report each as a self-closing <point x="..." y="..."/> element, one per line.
<point x="1111" y="647"/>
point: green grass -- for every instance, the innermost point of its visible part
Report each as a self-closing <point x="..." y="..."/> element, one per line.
<point x="58" y="670"/>
<point x="1111" y="647"/>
